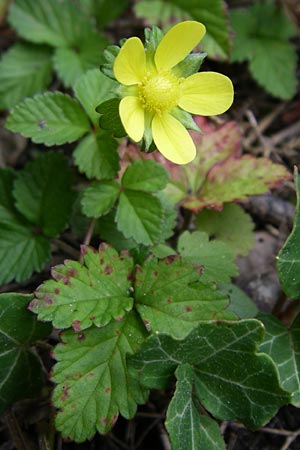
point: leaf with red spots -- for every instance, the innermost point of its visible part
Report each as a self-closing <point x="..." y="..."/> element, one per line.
<point x="93" y="381"/>
<point x="94" y="292"/>
<point x="171" y="298"/>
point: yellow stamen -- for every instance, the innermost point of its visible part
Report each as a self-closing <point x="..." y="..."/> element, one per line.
<point x="160" y="93"/>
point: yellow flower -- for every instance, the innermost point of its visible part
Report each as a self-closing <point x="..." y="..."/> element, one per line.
<point x="152" y="93"/>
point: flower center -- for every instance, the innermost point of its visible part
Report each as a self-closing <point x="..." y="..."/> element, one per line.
<point x="159" y="93"/>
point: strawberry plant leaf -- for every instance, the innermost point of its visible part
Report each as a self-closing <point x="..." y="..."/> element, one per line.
<point x="188" y="428"/>
<point x="52" y="118"/>
<point x="21" y="373"/>
<point x="215" y="256"/>
<point x="94" y="292"/>
<point x="240" y="304"/>
<point x="250" y="393"/>
<point x="25" y="70"/>
<point x="8" y="212"/>
<point x="42" y="192"/>
<point x="147" y="176"/>
<point x="288" y="259"/>
<point x="99" y="198"/>
<point x="283" y="345"/>
<point x="96" y="155"/>
<point x="93" y="381"/>
<point x="171" y="299"/>
<point x="110" y="117"/>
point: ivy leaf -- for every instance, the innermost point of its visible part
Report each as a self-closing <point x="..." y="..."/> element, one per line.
<point x="139" y="216"/>
<point x="21" y="373"/>
<point x="52" y="119"/>
<point x="96" y="155"/>
<point x="99" y="198"/>
<point x="93" y="88"/>
<point x="81" y="295"/>
<point x="232" y="225"/>
<point x="188" y="428"/>
<point x="283" y="345"/>
<point x="43" y="194"/>
<point x="110" y="117"/>
<point x="93" y="381"/>
<point x="170" y="298"/>
<point x="147" y="176"/>
<point x="288" y="260"/>
<point x="215" y="256"/>
<point x="250" y="393"/>
<point x="25" y="70"/>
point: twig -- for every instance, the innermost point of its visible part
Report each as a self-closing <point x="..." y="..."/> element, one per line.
<point x="293" y="129"/>
<point x="67" y="248"/>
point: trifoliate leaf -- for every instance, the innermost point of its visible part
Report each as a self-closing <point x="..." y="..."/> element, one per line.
<point x="25" y="70"/>
<point x="215" y="256"/>
<point x="139" y="216"/>
<point x="93" y="381"/>
<point x="21" y="373"/>
<point x="188" y="428"/>
<point x="52" y="119"/>
<point x="283" y="345"/>
<point x="102" y="10"/>
<point x="71" y="63"/>
<point x="110" y="117"/>
<point x="55" y="22"/>
<point x="94" y="292"/>
<point x="108" y="232"/>
<point x="169" y="217"/>
<point x="145" y="175"/>
<point x="288" y="260"/>
<point x="232" y="381"/>
<point x="158" y="12"/>
<point x="43" y="194"/>
<point x="99" y="198"/>
<point x="96" y="155"/>
<point x="240" y="304"/>
<point x="93" y="88"/>
<point x="8" y="213"/>
<point x="232" y="225"/>
<point x="170" y="298"/>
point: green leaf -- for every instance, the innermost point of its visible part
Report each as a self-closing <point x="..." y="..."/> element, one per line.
<point x="283" y="345"/>
<point x="232" y="381"/>
<point x="52" y="119"/>
<point x="21" y="373"/>
<point x="215" y="256"/>
<point x="108" y="232"/>
<point x="8" y="212"/>
<point x="25" y="70"/>
<point x="169" y="217"/>
<point x="188" y="428"/>
<point x="71" y="63"/>
<point x="43" y="194"/>
<point x="288" y="260"/>
<point x="96" y="155"/>
<point x="99" y="198"/>
<point x="80" y="295"/>
<point x="232" y="225"/>
<point x="93" y="381"/>
<point x="55" y="22"/>
<point x="110" y="118"/>
<point x="145" y="175"/>
<point x="139" y="216"/>
<point x="240" y="304"/>
<point x="170" y="298"/>
<point x="103" y="11"/>
<point x="93" y="88"/>
<point x="158" y="12"/>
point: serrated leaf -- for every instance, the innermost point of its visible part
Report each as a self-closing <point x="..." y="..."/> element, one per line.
<point x="96" y="155"/>
<point x="232" y="225"/>
<point x="55" y="22"/>
<point x="108" y="232"/>
<point x="288" y="260"/>
<point x="158" y="12"/>
<point x="93" y="381"/>
<point x="25" y="70"/>
<point x="169" y="217"/>
<point x="21" y="373"/>
<point x="188" y="428"/>
<point x="145" y="175"/>
<point x="139" y="216"/>
<point x="52" y="119"/>
<point x="99" y="198"/>
<point x="170" y="298"/>
<point x="215" y="256"/>
<point x="93" y="88"/>
<point x="240" y="304"/>
<point x="94" y="292"/>
<point x="42" y="191"/>
<point x="110" y="117"/>
<point x="103" y="11"/>
<point x="283" y="345"/>
<point x="8" y="212"/>
<point x="232" y="381"/>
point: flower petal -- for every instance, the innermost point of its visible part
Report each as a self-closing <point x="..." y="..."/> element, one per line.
<point x="178" y="42"/>
<point x="132" y="117"/>
<point x="130" y="63"/>
<point x="206" y="94"/>
<point x="172" y="139"/>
